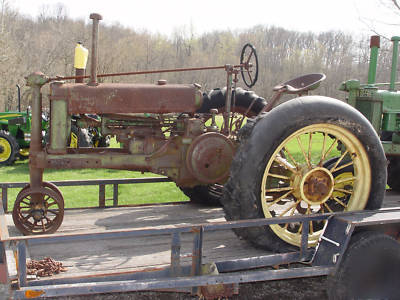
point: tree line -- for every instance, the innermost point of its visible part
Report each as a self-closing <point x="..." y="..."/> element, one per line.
<point x="47" y="44"/>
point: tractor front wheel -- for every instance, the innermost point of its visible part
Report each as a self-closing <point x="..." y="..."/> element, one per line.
<point x="38" y="211"/>
<point x="8" y="148"/>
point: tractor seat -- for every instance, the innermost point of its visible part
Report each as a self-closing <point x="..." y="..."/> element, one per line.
<point x="302" y="84"/>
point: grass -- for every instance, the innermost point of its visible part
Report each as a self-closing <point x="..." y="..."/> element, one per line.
<point x="316" y="146"/>
<point x="87" y="196"/>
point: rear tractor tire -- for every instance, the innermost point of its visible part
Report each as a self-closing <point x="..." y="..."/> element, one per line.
<point x="8" y="148"/>
<point x="283" y="168"/>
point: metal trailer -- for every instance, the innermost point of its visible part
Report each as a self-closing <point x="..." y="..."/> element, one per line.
<point x="352" y="234"/>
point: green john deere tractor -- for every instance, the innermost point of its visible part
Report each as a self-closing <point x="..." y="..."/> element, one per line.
<point x="380" y="103"/>
<point x="15" y="128"/>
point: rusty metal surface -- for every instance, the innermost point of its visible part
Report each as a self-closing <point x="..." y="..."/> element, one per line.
<point x="168" y="138"/>
<point x="375" y="41"/>
<point x="143" y="72"/>
<point x="94" y="55"/>
<point x="45" y="267"/>
<point x="209" y="157"/>
<point x="123" y="98"/>
<point x="79" y="73"/>
<point x="38" y="210"/>
<point x="302" y="84"/>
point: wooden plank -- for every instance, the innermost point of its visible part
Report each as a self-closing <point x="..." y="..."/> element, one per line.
<point x="11" y="262"/>
<point x="119" y="255"/>
<point x="4" y="233"/>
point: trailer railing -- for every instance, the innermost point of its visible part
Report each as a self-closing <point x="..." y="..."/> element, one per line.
<point x="101" y="183"/>
<point x="188" y="276"/>
<point x="176" y="276"/>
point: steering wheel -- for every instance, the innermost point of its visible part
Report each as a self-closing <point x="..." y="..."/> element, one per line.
<point x="249" y="65"/>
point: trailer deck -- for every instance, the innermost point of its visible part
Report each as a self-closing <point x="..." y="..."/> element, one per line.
<point x="87" y="258"/>
<point x="161" y="247"/>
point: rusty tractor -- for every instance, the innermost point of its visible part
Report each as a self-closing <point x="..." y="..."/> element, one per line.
<point x="258" y="159"/>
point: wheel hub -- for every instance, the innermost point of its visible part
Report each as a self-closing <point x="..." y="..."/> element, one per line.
<point x="316" y="186"/>
<point x="38" y="213"/>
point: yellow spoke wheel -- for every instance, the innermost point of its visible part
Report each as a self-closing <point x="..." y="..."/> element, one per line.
<point x="8" y="148"/>
<point x="5" y="149"/>
<point x="296" y="182"/>
<point x="308" y="156"/>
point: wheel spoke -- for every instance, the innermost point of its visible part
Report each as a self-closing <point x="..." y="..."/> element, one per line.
<point x="339" y="160"/>
<point x="289" y="208"/>
<point x="329" y="150"/>
<point x="27" y="217"/>
<point x="300" y="228"/>
<point x="250" y="78"/>
<point x="284" y="163"/>
<point x="53" y="212"/>
<point x="323" y="150"/>
<point x="282" y="189"/>
<point x="52" y="203"/>
<point x="290" y="156"/>
<point x="279" y="199"/>
<point x="251" y="54"/>
<point x="278" y="176"/>
<point x="308" y="209"/>
<point x="344" y="166"/>
<point x="43" y="226"/>
<point x="343" y="191"/>
<point x="27" y="203"/>
<point x="340" y="202"/>
<point x="328" y="208"/>
<point x="302" y="150"/>
<point x="345" y="180"/>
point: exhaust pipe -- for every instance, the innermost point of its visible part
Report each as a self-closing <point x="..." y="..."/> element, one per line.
<point x="95" y="36"/>
<point x="19" y="97"/>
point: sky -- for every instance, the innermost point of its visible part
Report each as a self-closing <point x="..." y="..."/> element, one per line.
<point x="351" y="16"/>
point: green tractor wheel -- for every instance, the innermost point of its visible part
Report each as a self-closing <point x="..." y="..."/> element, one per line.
<point x="8" y="148"/>
<point x="23" y="153"/>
